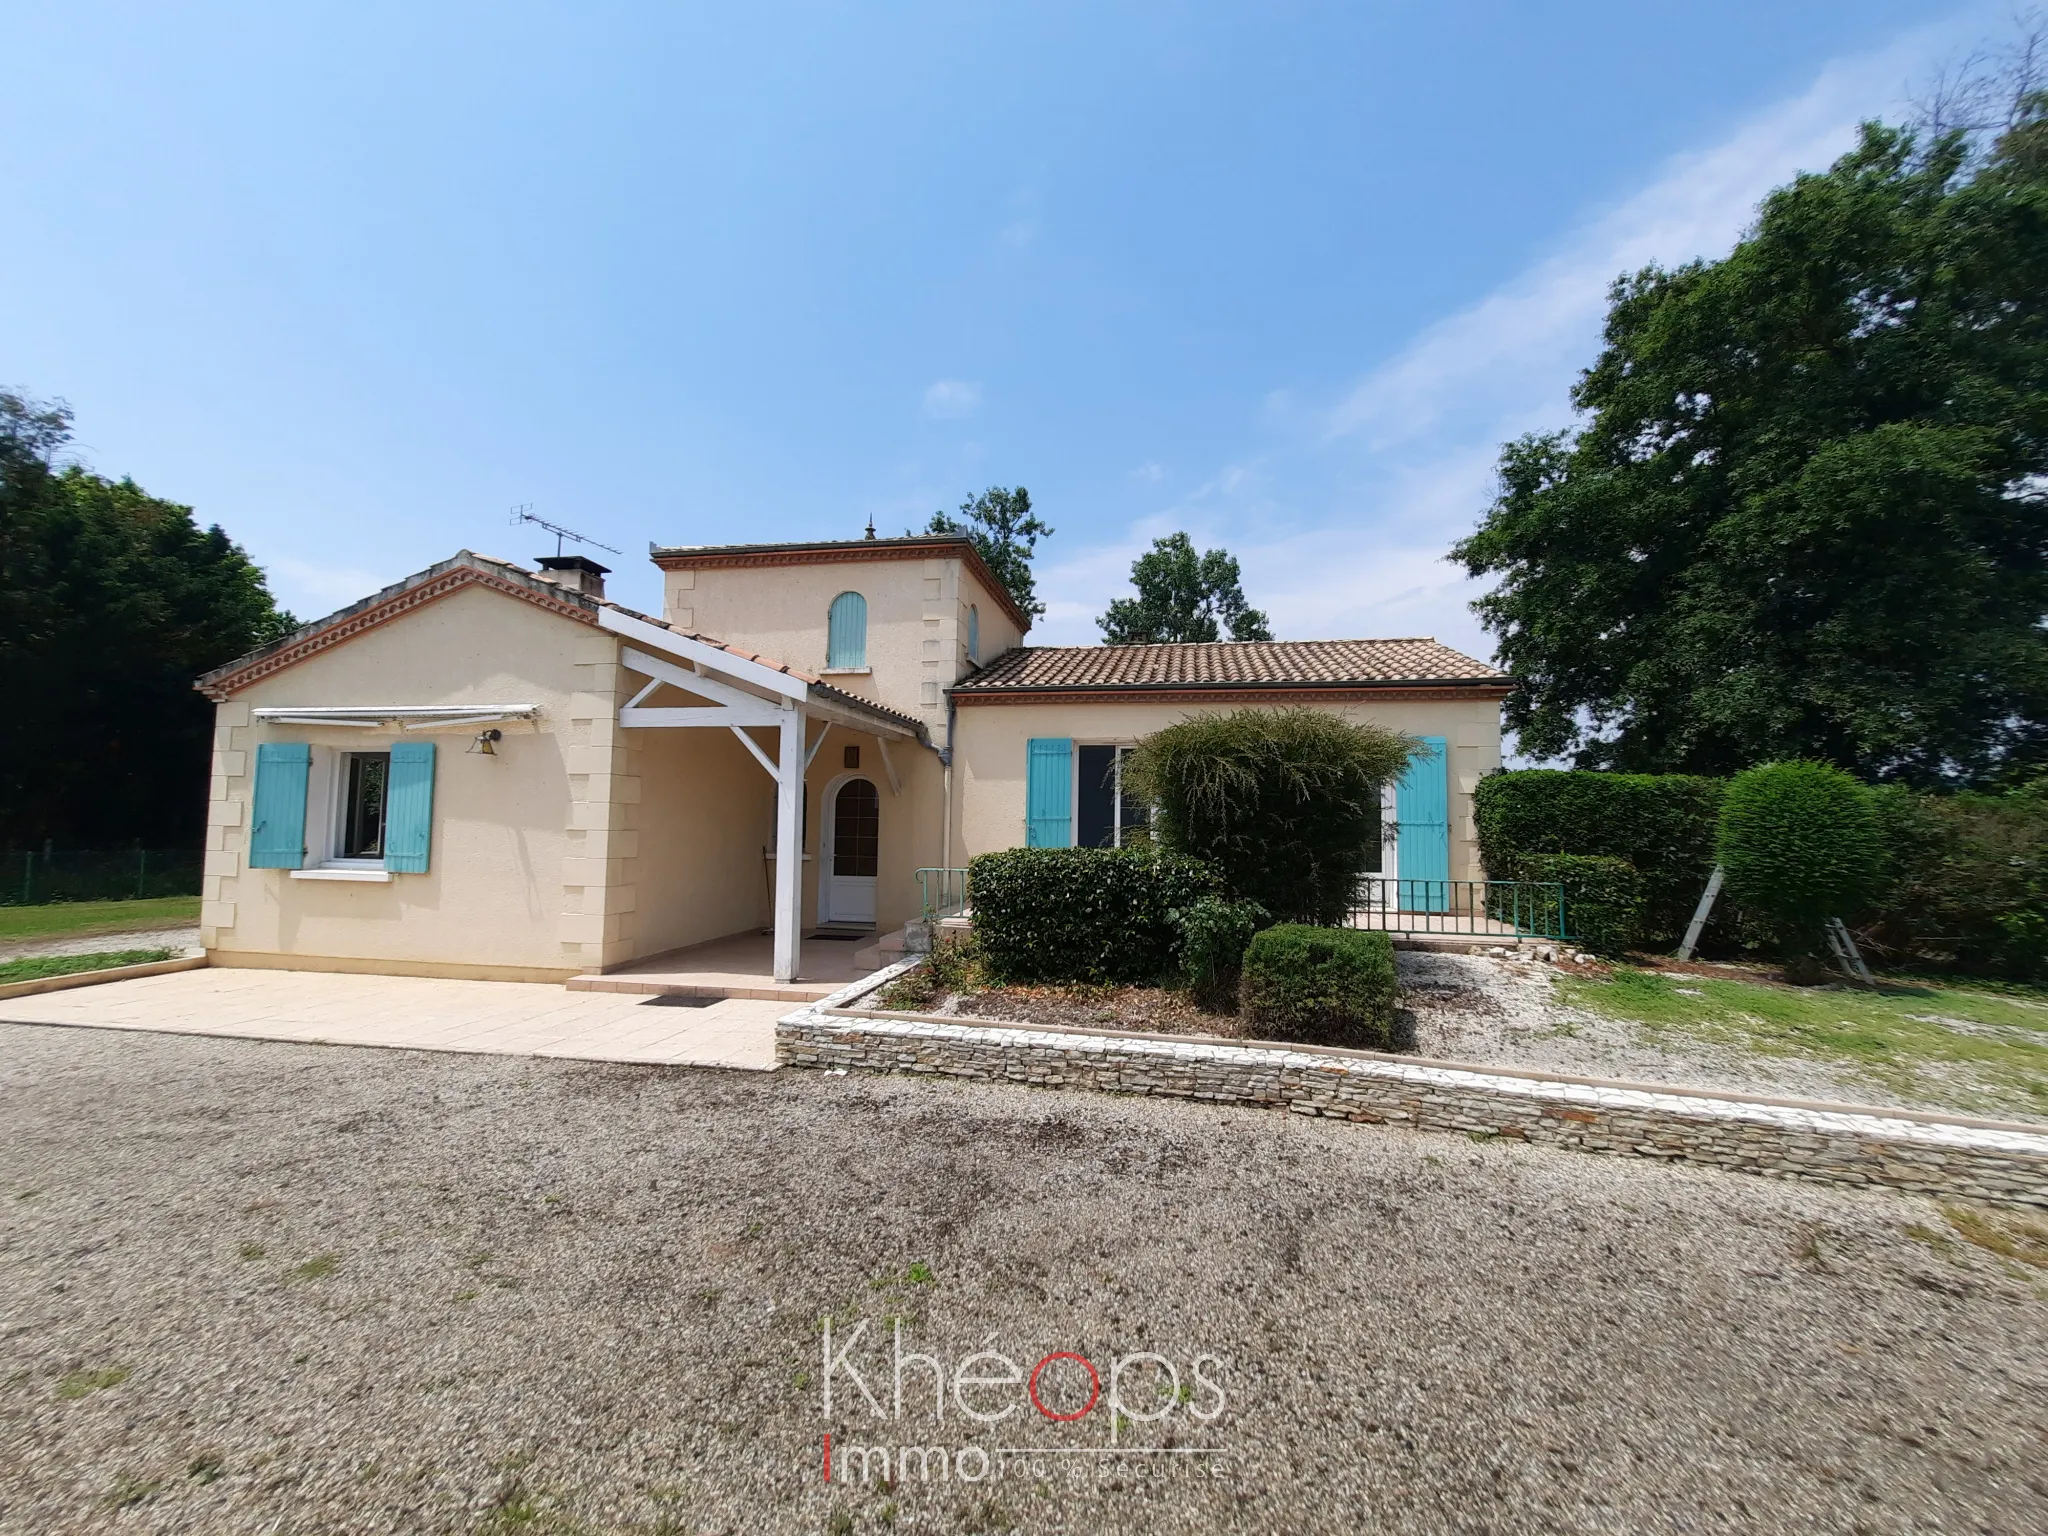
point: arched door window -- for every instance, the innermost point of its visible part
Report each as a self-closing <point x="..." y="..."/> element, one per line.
<point x="846" y="631"/>
<point x="856" y="829"/>
<point x="973" y="634"/>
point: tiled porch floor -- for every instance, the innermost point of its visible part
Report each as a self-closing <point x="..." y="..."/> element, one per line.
<point x="741" y="965"/>
<point x="416" y="1013"/>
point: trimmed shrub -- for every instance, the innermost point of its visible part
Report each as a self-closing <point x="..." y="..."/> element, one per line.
<point x="1965" y="886"/>
<point x="1664" y="824"/>
<point x="1603" y="899"/>
<point x="1800" y="843"/>
<point x="1081" y="914"/>
<point x="1212" y="936"/>
<point x="1321" y="986"/>
<point x="1284" y="803"/>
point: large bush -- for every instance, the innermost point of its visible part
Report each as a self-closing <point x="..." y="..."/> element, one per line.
<point x="1321" y="986"/>
<point x="1965" y="885"/>
<point x="1662" y="823"/>
<point x="1081" y="914"/>
<point x="1800" y="843"/>
<point x="1603" y="899"/>
<point x="1284" y="803"/>
<point x="1212" y="935"/>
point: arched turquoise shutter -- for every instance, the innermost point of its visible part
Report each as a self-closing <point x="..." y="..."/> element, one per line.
<point x="277" y="821"/>
<point x="973" y="633"/>
<point x="1049" y="792"/>
<point x="1422" y="811"/>
<point x="409" y="807"/>
<point x="846" y="631"/>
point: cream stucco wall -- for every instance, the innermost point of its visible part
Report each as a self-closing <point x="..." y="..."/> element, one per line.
<point x="917" y="622"/>
<point x="491" y="900"/>
<point x="990" y="756"/>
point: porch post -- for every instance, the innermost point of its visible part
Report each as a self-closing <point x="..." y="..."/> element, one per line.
<point x="789" y="844"/>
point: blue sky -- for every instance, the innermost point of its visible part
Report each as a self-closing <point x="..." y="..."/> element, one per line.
<point x="354" y="279"/>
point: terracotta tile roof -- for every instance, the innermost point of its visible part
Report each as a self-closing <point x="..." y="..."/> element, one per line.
<point x="1230" y="664"/>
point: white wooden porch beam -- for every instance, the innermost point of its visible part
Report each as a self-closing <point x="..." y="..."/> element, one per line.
<point x="759" y="756"/>
<point x="655" y="638"/>
<point x="789" y="849"/>
<point x="811" y="752"/>
<point x="888" y="767"/>
<point x="699" y="683"/>
<point x="710" y="714"/>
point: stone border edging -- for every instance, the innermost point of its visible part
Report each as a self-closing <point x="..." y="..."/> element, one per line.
<point x="39" y="984"/>
<point x="1839" y="1144"/>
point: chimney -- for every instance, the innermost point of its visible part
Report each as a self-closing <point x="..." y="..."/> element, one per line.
<point x="575" y="573"/>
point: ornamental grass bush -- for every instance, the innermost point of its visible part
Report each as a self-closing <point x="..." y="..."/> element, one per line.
<point x="1283" y="803"/>
<point x="1801" y="843"/>
<point x="1081" y="914"/>
<point x="1321" y="986"/>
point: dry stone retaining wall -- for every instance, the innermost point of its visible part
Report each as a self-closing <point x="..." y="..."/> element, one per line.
<point x="1941" y="1158"/>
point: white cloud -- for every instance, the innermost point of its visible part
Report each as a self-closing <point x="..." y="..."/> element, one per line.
<point x="950" y="398"/>
<point x="1345" y="532"/>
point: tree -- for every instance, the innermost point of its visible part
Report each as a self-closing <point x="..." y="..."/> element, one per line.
<point x="111" y="602"/>
<point x="1182" y="596"/>
<point x="1808" y="514"/>
<point x="1005" y="532"/>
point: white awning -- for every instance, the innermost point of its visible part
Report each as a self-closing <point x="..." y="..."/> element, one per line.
<point x="404" y="717"/>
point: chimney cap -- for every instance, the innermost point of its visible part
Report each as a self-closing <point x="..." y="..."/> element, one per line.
<point x="572" y="563"/>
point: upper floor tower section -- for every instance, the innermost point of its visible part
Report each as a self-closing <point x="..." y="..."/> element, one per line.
<point x="897" y="621"/>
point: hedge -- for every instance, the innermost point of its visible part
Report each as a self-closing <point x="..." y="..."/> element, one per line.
<point x="1211" y="937"/>
<point x="1321" y="986"/>
<point x="1603" y="899"/>
<point x="1081" y="914"/>
<point x="1662" y="823"/>
<point x="1965" y="883"/>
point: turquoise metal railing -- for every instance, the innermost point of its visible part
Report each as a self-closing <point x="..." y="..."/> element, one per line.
<point x="944" y="891"/>
<point x="1465" y="908"/>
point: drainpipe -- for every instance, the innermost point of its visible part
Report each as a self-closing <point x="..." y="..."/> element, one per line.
<point x="946" y="757"/>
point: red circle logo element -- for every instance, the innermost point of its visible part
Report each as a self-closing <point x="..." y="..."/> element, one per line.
<point x="1093" y="1380"/>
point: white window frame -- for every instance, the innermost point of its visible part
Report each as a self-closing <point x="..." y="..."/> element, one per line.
<point x="326" y="805"/>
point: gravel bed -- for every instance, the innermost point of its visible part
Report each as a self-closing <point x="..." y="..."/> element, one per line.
<point x="184" y="940"/>
<point x="250" y="1287"/>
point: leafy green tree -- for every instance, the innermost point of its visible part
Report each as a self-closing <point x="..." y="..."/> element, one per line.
<point x="111" y="602"/>
<point x="1182" y="596"/>
<point x="1006" y="533"/>
<point x="1808" y="514"/>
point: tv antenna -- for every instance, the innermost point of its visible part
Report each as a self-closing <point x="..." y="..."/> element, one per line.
<point x="523" y="513"/>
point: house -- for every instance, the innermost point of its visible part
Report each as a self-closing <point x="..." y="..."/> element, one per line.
<point x="488" y="771"/>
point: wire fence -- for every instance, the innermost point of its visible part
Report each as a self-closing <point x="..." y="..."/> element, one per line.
<point x="32" y="877"/>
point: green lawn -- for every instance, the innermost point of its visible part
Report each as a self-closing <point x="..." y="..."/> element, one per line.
<point x="1930" y="1040"/>
<point x="36" y="967"/>
<point x="63" y="919"/>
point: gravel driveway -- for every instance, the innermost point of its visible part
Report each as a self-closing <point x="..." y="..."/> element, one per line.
<point x="278" y="1288"/>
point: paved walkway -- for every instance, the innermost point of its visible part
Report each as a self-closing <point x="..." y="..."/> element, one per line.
<point x="413" y="1013"/>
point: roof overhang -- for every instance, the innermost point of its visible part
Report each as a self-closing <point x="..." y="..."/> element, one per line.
<point x="1240" y="693"/>
<point x="829" y="552"/>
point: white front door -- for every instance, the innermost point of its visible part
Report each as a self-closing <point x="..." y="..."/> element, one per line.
<point x="854" y="828"/>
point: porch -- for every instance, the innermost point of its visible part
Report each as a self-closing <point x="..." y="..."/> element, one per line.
<point x="739" y="965"/>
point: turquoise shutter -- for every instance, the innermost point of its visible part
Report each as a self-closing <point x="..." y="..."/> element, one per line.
<point x="846" y="631"/>
<point x="1422" y="812"/>
<point x="409" y="807"/>
<point x="973" y="633"/>
<point x="1049" y="792"/>
<point x="277" y="825"/>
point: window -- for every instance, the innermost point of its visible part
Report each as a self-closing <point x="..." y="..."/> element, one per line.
<point x="974" y="634"/>
<point x="360" y="833"/>
<point x="846" y="631"/>
<point x="1109" y="816"/>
